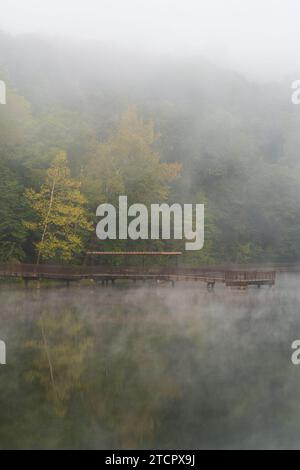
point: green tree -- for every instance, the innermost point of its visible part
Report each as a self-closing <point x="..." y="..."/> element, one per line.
<point x="16" y="124"/>
<point x="61" y="218"/>
<point x="13" y="209"/>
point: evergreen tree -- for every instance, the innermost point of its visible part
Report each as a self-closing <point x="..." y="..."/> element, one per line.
<point x="13" y="208"/>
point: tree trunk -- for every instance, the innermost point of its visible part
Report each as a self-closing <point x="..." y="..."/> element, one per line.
<point x="46" y="220"/>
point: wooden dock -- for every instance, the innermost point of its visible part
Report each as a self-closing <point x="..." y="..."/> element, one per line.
<point x="106" y="274"/>
<point x="249" y="278"/>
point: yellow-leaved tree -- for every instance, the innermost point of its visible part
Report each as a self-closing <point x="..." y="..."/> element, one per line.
<point x="61" y="218"/>
<point x="128" y="164"/>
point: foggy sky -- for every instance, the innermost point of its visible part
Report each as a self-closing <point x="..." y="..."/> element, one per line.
<point x="256" y="37"/>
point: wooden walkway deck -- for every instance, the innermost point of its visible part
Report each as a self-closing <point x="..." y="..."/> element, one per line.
<point x="104" y="274"/>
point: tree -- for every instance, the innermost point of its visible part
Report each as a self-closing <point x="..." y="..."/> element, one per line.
<point x="13" y="208"/>
<point x="61" y="217"/>
<point x="128" y="164"/>
<point x="16" y="124"/>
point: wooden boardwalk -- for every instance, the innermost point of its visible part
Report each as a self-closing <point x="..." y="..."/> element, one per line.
<point x="106" y="274"/>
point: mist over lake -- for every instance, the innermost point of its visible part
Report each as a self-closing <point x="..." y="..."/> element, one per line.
<point x="145" y="367"/>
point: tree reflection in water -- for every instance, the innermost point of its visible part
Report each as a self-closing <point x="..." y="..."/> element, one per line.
<point x="149" y="368"/>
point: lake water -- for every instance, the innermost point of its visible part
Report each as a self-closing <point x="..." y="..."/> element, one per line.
<point x="150" y="367"/>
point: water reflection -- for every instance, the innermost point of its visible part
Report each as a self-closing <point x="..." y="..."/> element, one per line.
<point x="59" y="358"/>
<point x="149" y="368"/>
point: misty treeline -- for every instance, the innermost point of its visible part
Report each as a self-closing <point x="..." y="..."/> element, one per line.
<point x="85" y="123"/>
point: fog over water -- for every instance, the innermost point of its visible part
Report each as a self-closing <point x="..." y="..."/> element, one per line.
<point x="146" y="367"/>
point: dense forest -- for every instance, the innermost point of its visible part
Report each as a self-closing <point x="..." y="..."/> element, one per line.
<point x="85" y="123"/>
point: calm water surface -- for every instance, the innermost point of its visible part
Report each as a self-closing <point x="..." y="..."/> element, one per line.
<point x="145" y="367"/>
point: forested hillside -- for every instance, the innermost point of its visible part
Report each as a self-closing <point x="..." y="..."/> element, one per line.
<point x="95" y="122"/>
